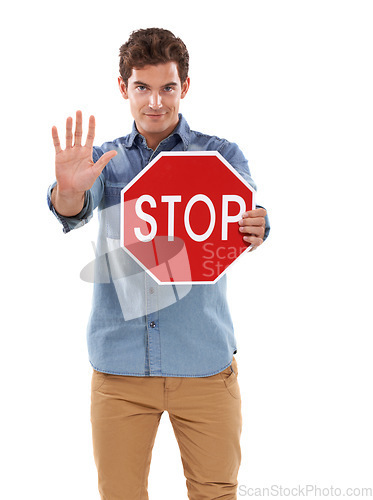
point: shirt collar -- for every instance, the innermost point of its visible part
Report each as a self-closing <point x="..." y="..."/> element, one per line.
<point x="182" y="130"/>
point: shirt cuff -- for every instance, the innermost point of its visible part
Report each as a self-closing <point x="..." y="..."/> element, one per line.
<point x="268" y="227"/>
<point x="76" y="221"/>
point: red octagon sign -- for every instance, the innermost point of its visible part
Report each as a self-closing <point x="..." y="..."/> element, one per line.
<point x="179" y="217"/>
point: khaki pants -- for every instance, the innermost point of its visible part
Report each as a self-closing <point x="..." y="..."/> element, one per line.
<point x="205" y="413"/>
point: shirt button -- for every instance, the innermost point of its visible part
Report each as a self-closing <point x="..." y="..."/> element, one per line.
<point x="151" y="290"/>
<point x="152" y="324"/>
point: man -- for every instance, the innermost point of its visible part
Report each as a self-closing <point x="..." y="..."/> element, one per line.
<point x="153" y="348"/>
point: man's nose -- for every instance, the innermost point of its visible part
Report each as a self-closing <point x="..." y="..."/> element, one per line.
<point x="155" y="101"/>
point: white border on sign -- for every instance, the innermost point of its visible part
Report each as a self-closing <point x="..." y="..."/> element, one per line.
<point x="140" y="174"/>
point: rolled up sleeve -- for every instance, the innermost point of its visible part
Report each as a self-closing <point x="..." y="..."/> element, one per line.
<point x="76" y="221"/>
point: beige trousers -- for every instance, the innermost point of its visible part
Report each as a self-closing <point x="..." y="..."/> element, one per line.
<point x="205" y="413"/>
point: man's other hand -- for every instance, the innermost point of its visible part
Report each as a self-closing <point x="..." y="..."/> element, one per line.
<point x="252" y="226"/>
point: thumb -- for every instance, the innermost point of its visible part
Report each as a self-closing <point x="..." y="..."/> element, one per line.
<point x="103" y="161"/>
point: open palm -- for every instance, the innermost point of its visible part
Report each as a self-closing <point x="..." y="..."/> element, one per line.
<point x="75" y="170"/>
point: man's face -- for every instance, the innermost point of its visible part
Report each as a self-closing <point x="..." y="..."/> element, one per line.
<point x="154" y="93"/>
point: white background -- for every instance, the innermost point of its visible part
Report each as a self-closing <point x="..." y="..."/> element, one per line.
<point x="289" y="81"/>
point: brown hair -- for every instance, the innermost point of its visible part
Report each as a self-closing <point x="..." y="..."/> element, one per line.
<point x="152" y="46"/>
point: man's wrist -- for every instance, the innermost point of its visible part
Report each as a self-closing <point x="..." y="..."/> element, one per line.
<point x="67" y="204"/>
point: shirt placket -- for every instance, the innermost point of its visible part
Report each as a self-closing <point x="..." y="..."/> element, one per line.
<point x="152" y="325"/>
<point x="153" y="342"/>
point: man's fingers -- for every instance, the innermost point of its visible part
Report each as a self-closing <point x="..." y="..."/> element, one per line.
<point x="91" y="132"/>
<point x="56" y="140"/>
<point x="253" y="230"/>
<point x="257" y="221"/>
<point x="258" y="212"/>
<point x="69" y="132"/>
<point x="78" y="129"/>
<point x="253" y="240"/>
<point x="78" y="133"/>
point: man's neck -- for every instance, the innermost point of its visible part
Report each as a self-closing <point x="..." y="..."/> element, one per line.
<point x="153" y="140"/>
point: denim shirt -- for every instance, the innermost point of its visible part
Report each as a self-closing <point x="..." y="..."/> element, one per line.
<point x="136" y="326"/>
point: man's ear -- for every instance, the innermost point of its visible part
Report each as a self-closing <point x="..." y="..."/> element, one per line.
<point x="122" y="87"/>
<point x="185" y="88"/>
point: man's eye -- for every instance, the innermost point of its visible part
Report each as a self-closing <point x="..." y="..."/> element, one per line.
<point x="168" y="89"/>
<point x="141" y="88"/>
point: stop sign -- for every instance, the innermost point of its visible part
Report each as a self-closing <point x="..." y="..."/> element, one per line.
<point x="179" y="217"/>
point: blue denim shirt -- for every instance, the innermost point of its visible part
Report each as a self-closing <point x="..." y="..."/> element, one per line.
<point x="136" y="326"/>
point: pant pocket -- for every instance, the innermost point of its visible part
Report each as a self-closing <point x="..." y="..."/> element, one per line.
<point x="229" y="378"/>
<point x="98" y="379"/>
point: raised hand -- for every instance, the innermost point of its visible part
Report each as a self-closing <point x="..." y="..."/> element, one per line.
<point x="75" y="170"/>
